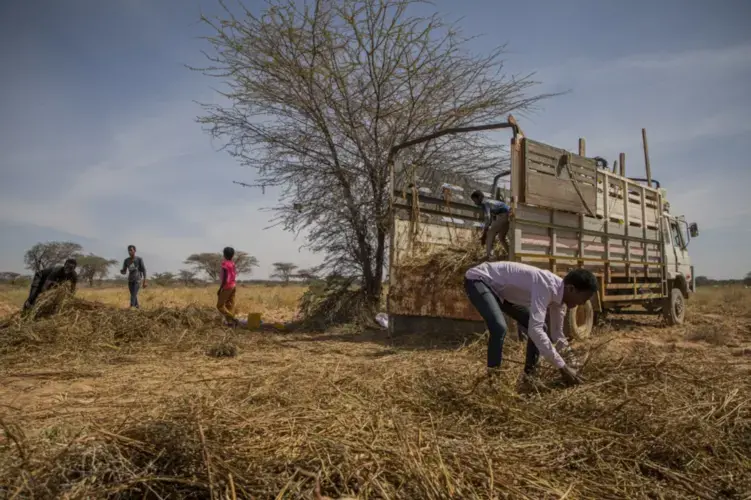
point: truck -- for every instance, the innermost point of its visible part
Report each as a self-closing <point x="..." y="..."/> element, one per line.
<point x="567" y="211"/>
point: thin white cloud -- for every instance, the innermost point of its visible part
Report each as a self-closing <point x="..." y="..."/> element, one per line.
<point x="679" y="97"/>
<point x="144" y="162"/>
<point x="722" y="59"/>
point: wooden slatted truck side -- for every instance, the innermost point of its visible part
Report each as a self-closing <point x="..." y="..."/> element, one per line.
<point x="567" y="212"/>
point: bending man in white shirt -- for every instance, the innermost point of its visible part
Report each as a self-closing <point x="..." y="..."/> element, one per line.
<point x="527" y="294"/>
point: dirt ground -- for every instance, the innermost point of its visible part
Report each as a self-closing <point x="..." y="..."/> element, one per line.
<point x="365" y="415"/>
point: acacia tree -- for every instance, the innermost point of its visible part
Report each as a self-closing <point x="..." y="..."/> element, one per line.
<point x="320" y="91"/>
<point x="91" y="267"/>
<point x="211" y="263"/>
<point x="43" y="255"/>
<point x="9" y="276"/>
<point x="186" y="276"/>
<point x="307" y="275"/>
<point x="163" y="279"/>
<point x="283" y="271"/>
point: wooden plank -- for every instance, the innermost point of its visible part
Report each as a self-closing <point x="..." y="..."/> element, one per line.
<point x="634" y="196"/>
<point x="626" y="221"/>
<point x="628" y="286"/>
<point x="406" y="324"/>
<point x="644" y="215"/>
<point x="437" y="206"/>
<point x="552" y="155"/>
<point x="556" y="165"/>
<point x="542" y="215"/>
<point x="606" y="215"/>
<point x="646" y="157"/>
<point x="639" y="212"/>
<point x="572" y="247"/>
<point x="553" y="242"/>
<point x="587" y="261"/>
<point x="664" y="270"/>
<point x="631" y="298"/>
<point x="585" y="231"/>
<point x="557" y="193"/>
<point x="583" y="166"/>
<point x="411" y="239"/>
<point x="518" y="171"/>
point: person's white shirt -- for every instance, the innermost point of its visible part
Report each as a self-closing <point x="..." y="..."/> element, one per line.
<point x="539" y="290"/>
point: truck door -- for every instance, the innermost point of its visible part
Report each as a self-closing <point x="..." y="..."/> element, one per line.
<point x="675" y="237"/>
<point x="671" y="259"/>
<point x="680" y="244"/>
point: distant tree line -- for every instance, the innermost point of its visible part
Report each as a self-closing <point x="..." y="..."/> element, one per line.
<point x="705" y="281"/>
<point x="202" y="267"/>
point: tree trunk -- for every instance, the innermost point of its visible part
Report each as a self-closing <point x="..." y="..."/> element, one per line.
<point x="374" y="280"/>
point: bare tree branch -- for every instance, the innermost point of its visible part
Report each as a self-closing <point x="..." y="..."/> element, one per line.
<point x="319" y="93"/>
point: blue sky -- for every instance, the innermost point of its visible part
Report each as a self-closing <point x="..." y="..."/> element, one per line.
<point x="100" y="146"/>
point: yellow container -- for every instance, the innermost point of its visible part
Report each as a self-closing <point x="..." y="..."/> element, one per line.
<point x="254" y="321"/>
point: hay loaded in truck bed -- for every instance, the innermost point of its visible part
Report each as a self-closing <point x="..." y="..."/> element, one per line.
<point x="568" y="211"/>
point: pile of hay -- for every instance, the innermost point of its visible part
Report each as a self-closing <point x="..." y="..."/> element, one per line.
<point x="59" y="319"/>
<point x="334" y="302"/>
<point x="649" y="424"/>
<point x="444" y="268"/>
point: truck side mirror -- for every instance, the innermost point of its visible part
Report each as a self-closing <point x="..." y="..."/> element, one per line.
<point x="693" y="229"/>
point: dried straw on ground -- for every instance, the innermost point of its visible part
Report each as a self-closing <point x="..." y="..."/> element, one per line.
<point x="361" y="419"/>
<point x="61" y="319"/>
<point x="337" y="301"/>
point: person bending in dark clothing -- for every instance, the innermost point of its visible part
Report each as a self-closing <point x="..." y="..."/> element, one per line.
<point x="50" y="278"/>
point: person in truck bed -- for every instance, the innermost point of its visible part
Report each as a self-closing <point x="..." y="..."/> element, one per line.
<point x="527" y="294"/>
<point x="49" y="278"/>
<point x="496" y="222"/>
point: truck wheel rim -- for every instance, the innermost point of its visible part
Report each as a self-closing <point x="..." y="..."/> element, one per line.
<point x="678" y="306"/>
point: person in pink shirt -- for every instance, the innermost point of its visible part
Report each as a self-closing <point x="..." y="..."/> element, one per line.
<point x="226" y="294"/>
<point x="528" y="294"/>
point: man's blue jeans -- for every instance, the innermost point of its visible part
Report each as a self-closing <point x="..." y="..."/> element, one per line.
<point x="491" y="308"/>
<point x="134" y="287"/>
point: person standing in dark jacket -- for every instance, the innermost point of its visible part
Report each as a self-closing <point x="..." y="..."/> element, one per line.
<point x="136" y="271"/>
<point x="50" y="278"/>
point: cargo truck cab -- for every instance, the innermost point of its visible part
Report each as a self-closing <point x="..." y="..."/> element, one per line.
<point x="677" y="234"/>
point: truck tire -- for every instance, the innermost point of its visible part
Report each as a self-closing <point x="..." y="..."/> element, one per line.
<point x="579" y="321"/>
<point x="674" y="307"/>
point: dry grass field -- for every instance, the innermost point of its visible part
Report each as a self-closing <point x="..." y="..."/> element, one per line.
<point x="274" y="302"/>
<point x="103" y="402"/>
